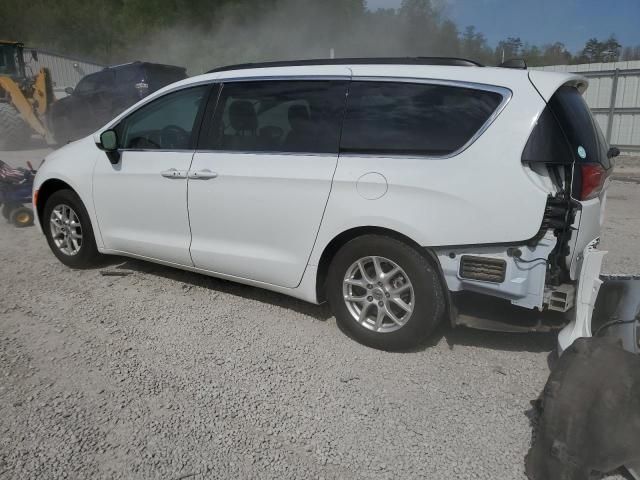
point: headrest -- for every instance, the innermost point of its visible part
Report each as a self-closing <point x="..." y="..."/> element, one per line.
<point x="242" y="116"/>
<point x="298" y="112"/>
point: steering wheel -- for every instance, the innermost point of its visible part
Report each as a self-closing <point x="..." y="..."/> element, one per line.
<point x="173" y="136"/>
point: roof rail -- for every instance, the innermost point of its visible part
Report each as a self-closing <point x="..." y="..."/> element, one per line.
<point x="448" y="61"/>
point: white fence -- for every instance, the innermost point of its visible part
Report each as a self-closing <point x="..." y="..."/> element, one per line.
<point x="614" y="98"/>
<point x="65" y="71"/>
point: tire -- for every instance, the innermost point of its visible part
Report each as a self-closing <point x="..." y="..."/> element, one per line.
<point x="6" y="211"/>
<point x="14" y="132"/>
<point x="77" y="252"/>
<point x="409" y="276"/>
<point x="22" y="217"/>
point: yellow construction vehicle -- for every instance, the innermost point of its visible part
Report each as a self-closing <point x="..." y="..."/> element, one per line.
<point x="24" y="100"/>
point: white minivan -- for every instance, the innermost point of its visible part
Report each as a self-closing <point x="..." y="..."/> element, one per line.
<point x="404" y="192"/>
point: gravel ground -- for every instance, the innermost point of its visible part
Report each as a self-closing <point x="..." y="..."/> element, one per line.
<point x="168" y="374"/>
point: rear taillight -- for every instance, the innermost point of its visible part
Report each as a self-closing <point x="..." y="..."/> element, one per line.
<point x="593" y="177"/>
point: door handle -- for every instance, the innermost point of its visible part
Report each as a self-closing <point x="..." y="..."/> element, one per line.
<point x="173" y="173"/>
<point x="205" y="174"/>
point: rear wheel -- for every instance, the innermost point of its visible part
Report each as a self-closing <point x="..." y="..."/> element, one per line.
<point x="385" y="293"/>
<point x="68" y="230"/>
<point x="14" y="132"/>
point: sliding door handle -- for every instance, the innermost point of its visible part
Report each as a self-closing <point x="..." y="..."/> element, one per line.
<point x="205" y="174"/>
<point x="173" y="173"/>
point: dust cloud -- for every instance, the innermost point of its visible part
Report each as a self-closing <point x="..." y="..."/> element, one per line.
<point x="298" y="30"/>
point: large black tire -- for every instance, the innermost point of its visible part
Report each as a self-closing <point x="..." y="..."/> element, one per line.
<point x="14" y="132"/>
<point x="587" y="419"/>
<point x="87" y="255"/>
<point x="427" y="300"/>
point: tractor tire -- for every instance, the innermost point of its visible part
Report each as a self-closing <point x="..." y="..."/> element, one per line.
<point x="6" y="210"/>
<point x="14" y="132"/>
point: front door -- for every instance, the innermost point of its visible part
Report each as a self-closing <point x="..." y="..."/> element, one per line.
<point x="261" y="177"/>
<point x="141" y="202"/>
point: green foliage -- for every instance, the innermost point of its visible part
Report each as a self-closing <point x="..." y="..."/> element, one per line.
<point x="204" y="33"/>
<point x="596" y="51"/>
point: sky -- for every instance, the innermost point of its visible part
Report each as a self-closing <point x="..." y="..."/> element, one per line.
<point x="571" y="22"/>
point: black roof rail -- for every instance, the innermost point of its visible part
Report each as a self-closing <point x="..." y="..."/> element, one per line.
<point x="448" y="61"/>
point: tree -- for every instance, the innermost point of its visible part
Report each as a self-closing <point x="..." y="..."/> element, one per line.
<point x="448" y="41"/>
<point x="596" y="51"/>
<point x="474" y="46"/>
<point x="508" y="49"/>
<point x="631" y="53"/>
<point x="203" y="33"/>
<point x="612" y="49"/>
<point x="420" y="22"/>
<point x="556" y="54"/>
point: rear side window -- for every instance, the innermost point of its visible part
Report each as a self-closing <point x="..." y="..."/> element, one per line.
<point x="566" y="132"/>
<point x="407" y="118"/>
<point x="278" y="116"/>
<point x="158" y="76"/>
<point x="96" y="82"/>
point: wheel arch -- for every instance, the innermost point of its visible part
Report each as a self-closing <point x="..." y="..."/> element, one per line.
<point x="48" y="188"/>
<point x="341" y="239"/>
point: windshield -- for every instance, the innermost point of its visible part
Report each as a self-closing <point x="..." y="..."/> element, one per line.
<point x="8" y="60"/>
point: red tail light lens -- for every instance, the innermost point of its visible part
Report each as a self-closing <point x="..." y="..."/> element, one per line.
<point x="593" y="179"/>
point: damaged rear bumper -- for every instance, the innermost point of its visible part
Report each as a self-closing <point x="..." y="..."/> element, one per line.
<point x="617" y="310"/>
<point x="589" y="282"/>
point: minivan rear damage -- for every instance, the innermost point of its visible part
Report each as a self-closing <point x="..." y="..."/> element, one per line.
<point x="556" y="273"/>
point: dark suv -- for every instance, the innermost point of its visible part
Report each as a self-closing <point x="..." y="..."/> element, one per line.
<point x="100" y="96"/>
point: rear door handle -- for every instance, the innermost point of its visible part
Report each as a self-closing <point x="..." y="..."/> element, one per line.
<point x="205" y="174"/>
<point x="173" y="173"/>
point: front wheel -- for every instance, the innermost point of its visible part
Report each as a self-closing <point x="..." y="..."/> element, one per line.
<point x="68" y="230"/>
<point x="385" y="293"/>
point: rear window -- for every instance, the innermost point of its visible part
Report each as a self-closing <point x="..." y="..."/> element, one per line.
<point x="96" y="82"/>
<point x="407" y="118"/>
<point x="158" y="76"/>
<point x="566" y="132"/>
<point x="129" y="76"/>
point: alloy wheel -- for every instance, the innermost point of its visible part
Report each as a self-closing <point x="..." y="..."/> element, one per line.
<point x="66" y="229"/>
<point x="378" y="294"/>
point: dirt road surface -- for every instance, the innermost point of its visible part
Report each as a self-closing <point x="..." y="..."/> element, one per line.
<point x="167" y="374"/>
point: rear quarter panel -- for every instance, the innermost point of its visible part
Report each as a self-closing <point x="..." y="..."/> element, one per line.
<point x="482" y="195"/>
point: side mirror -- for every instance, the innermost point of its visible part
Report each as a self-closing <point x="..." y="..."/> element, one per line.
<point x="109" y="143"/>
<point x="109" y="140"/>
<point x="68" y="90"/>
<point x="613" y="152"/>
